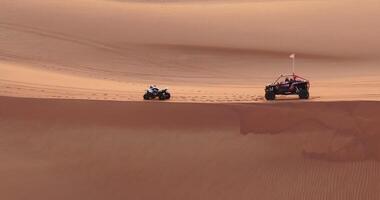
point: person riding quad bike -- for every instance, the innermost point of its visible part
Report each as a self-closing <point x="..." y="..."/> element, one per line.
<point x="152" y="92"/>
<point x="153" y="89"/>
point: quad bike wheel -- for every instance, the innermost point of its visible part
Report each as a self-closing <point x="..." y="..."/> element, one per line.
<point x="164" y="96"/>
<point x="147" y="97"/>
<point x="270" y="96"/>
<point x="303" y="94"/>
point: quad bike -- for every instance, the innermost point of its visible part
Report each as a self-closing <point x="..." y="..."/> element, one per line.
<point x="153" y="93"/>
<point x="288" y="85"/>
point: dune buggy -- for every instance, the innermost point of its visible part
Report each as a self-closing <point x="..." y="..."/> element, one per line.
<point x="288" y="85"/>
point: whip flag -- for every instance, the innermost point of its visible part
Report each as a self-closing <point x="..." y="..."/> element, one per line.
<point x="293" y="57"/>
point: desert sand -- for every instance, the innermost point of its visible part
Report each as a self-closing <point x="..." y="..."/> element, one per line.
<point x="214" y="51"/>
<point x="73" y="124"/>
<point x="81" y="149"/>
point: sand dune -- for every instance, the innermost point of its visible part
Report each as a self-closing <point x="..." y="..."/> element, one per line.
<point x="72" y="75"/>
<point x="239" y="46"/>
<point x="119" y="150"/>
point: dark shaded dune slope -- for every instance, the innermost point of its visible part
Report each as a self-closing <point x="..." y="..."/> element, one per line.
<point x="355" y="124"/>
<point x="118" y="114"/>
<point x="350" y="129"/>
<point x="79" y="149"/>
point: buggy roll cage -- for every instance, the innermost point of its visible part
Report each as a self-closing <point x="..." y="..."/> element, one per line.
<point x="294" y="76"/>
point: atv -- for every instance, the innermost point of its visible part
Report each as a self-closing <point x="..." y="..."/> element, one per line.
<point x="288" y="85"/>
<point x="154" y="92"/>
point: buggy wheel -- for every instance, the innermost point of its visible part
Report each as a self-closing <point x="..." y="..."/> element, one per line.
<point x="303" y="94"/>
<point x="270" y="96"/>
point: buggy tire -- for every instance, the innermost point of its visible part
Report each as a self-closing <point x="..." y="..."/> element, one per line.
<point x="303" y="94"/>
<point x="270" y="96"/>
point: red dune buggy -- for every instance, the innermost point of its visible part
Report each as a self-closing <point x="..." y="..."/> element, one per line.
<point x="288" y="85"/>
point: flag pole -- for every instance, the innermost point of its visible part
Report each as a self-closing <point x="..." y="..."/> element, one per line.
<point x="294" y="62"/>
<point x="293" y="57"/>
